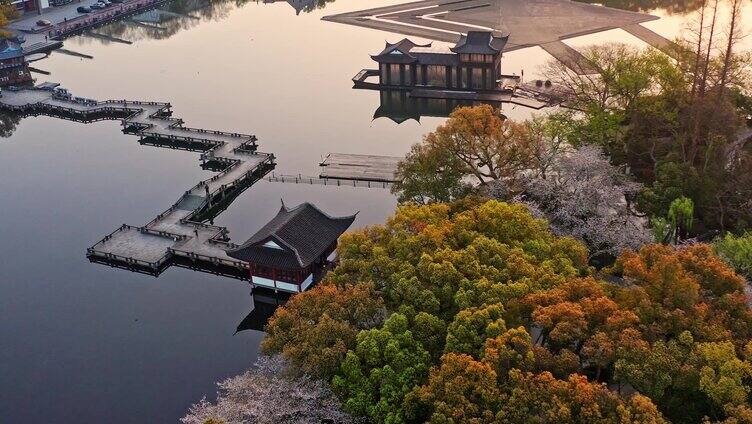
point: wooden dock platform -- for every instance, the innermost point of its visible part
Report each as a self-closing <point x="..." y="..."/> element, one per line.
<point x="374" y="168"/>
<point x="178" y="236"/>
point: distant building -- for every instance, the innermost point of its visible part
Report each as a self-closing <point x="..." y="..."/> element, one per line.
<point x="26" y="6"/>
<point x="474" y="63"/>
<point x="285" y="253"/>
<point x="13" y="67"/>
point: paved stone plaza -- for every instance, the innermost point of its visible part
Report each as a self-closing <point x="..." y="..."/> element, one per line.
<point x="543" y="23"/>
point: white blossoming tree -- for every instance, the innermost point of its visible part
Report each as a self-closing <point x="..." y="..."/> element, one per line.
<point x="269" y="393"/>
<point x="584" y="196"/>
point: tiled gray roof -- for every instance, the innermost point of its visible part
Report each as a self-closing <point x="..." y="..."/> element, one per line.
<point x="304" y="233"/>
<point x="480" y="42"/>
<point x="398" y="52"/>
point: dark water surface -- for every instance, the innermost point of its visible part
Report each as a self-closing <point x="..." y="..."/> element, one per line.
<point x="81" y="342"/>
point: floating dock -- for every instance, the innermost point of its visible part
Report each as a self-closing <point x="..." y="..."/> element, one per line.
<point x="178" y="236"/>
<point x="341" y="166"/>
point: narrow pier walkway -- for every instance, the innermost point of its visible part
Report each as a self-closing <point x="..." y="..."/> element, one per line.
<point x="177" y="236"/>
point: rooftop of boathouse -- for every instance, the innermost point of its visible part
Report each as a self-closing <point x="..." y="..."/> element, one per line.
<point x="294" y="239"/>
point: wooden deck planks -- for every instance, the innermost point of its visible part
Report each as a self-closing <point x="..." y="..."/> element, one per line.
<point x="178" y="231"/>
<point x="359" y="167"/>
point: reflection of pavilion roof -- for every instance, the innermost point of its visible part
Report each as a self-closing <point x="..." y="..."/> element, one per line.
<point x="10" y="49"/>
<point x="258" y="317"/>
<point x="298" y="5"/>
<point x="301" y="5"/>
<point x="398" y="116"/>
<point x="294" y="238"/>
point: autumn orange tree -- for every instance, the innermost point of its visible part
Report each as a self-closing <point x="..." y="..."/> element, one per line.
<point x="494" y="319"/>
<point x="7" y="13"/>
<point x="646" y="333"/>
<point x="316" y="328"/>
<point x="475" y="146"/>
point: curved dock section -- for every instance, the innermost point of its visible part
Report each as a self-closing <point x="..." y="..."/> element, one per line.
<point x="178" y="236"/>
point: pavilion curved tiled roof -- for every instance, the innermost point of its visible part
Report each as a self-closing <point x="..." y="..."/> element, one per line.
<point x="480" y="42"/>
<point x="10" y="49"/>
<point x="399" y="52"/>
<point x="475" y="42"/>
<point x="303" y="234"/>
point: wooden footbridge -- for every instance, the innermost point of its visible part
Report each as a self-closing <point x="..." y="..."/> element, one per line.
<point x="179" y="235"/>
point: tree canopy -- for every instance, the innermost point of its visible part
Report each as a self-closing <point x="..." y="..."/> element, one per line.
<point x="493" y="318"/>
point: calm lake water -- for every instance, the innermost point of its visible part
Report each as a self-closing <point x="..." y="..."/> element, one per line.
<point x="81" y="342"/>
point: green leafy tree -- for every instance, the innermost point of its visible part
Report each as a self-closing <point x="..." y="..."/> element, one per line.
<point x="316" y="328"/>
<point x="737" y="251"/>
<point x="725" y="378"/>
<point x="430" y="174"/>
<point x="441" y="258"/>
<point x="676" y="122"/>
<point x="430" y="331"/>
<point x="471" y="327"/>
<point x="385" y="365"/>
<point x="677" y="223"/>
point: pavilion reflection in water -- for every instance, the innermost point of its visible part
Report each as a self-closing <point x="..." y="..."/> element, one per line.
<point x="265" y="303"/>
<point x="399" y="106"/>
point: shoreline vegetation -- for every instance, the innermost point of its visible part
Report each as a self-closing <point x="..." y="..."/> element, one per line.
<point x="589" y="265"/>
<point x="473" y="311"/>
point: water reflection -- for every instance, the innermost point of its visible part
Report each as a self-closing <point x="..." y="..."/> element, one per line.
<point x="169" y="19"/>
<point x="265" y="302"/>
<point x="8" y="123"/>
<point x="306" y="6"/>
<point x="670" y="6"/>
<point x="400" y="107"/>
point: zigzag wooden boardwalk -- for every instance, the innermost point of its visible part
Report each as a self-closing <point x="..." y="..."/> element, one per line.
<point x="177" y="236"/>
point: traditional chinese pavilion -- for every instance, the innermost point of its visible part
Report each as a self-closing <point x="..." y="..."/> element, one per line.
<point x="285" y="253"/>
<point x="13" y="66"/>
<point x="473" y="63"/>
